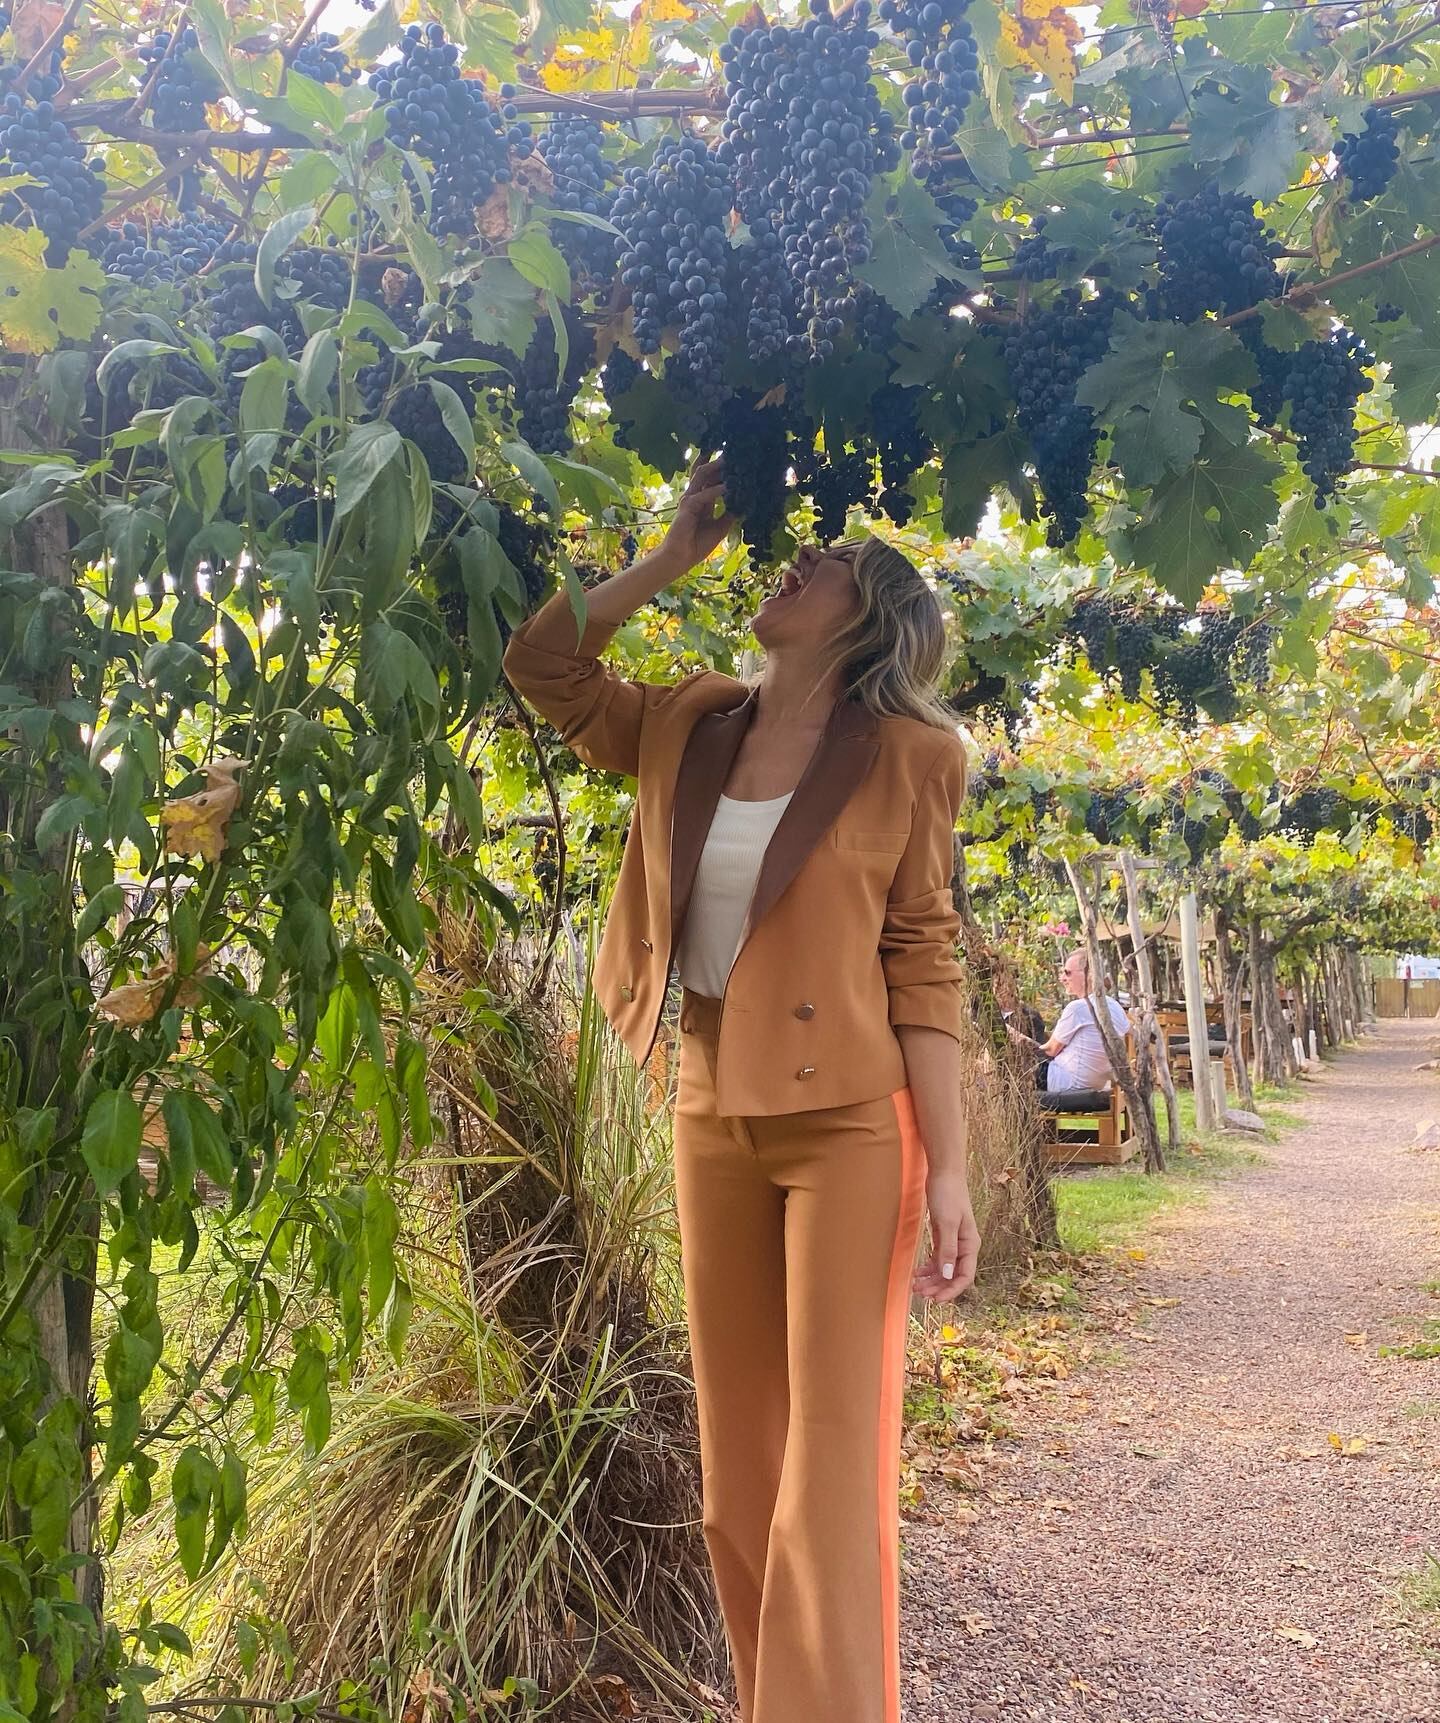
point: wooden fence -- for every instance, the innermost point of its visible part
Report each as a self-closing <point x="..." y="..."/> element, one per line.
<point x="1393" y="1000"/>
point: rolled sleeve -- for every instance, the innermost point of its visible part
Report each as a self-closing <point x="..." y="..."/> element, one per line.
<point x="597" y="712"/>
<point x="917" y="942"/>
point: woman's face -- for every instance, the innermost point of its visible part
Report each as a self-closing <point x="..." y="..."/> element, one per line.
<point x="815" y="600"/>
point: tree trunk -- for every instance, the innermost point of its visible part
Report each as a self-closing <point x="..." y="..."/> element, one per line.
<point x="987" y="968"/>
<point x="1141" y="1106"/>
<point x="1152" y="1042"/>
<point x="61" y="1304"/>
<point x="1232" y="993"/>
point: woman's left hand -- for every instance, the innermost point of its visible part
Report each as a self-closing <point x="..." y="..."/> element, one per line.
<point x="954" y="1238"/>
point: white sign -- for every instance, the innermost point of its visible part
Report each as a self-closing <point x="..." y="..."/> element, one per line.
<point x="1418" y="968"/>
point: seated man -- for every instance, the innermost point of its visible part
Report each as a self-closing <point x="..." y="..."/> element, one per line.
<point x="1076" y="1049"/>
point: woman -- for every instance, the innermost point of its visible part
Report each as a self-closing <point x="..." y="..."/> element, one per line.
<point x="791" y="851"/>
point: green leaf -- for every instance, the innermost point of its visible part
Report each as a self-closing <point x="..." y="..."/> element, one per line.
<point x="374" y="35"/>
<point x="108" y="901"/>
<point x="318" y="365"/>
<point x="277" y="238"/>
<point x="262" y="397"/>
<point x="970" y="473"/>
<point x="1213" y="515"/>
<point x="314" y="102"/>
<point x="110" y="1141"/>
<point x="368" y="450"/>
<point x="1414" y="356"/>
<point x="535" y="257"/>
<point x="502" y="306"/>
<point x="455" y="419"/>
<point x="533" y="470"/>
<point x="130" y="353"/>
<point x="193" y="1487"/>
<point x="907" y="255"/>
<point x="1250" y="139"/>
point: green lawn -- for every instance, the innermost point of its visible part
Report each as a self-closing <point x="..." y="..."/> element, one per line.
<point x="1108" y="1207"/>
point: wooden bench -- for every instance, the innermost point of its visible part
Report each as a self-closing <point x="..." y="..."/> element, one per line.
<point x="1089" y="1127"/>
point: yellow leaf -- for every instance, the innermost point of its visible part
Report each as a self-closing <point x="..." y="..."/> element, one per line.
<point x="663" y="12"/>
<point x="1306" y="1641"/>
<point x="1136" y="1255"/>
<point x="196" y="825"/>
<point x="1336" y="1440"/>
<point x="1042" y="35"/>
<point x="39" y="304"/>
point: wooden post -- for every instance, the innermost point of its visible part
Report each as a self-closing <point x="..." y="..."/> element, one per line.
<point x="1195" y="1024"/>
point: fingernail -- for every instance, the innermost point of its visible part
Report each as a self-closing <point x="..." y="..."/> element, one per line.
<point x="949" y="1270"/>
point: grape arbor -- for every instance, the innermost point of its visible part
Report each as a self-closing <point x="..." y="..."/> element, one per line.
<point x="327" y="355"/>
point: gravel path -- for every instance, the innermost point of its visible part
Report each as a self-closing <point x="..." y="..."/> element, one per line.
<point x="1176" y="1535"/>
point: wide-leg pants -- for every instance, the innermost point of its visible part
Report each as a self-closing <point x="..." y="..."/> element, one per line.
<point x="798" y="1237"/>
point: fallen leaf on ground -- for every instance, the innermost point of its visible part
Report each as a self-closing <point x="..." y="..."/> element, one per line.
<point x="1306" y="1641"/>
<point x="1356" y="1339"/>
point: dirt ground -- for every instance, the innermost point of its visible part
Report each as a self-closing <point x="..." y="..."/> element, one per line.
<point x="1215" y="1525"/>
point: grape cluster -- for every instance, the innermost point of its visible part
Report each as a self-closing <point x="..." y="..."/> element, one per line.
<point x="1313" y="811"/>
<point x="1046" y="354"/>
<point x="169" y="251"/>
<point x="545" y="392"/>
<point x="805" y="133"/>
<point x="1386" y="311"/>
<point x="1189" y="666"/>
<point x="940" y="44"/>
<point x="321" y="59"/>
<point x="837" y="482"/>
<point x="902" y="445"/>
<point x="530" y="545"/>
<point x="321" y="275"/>
<point x="1369" y="158"/>
<point x="1323" y="382"/>
<point x="1036" y="259"/>
<point x="179" y="81"/>
<point x="448" y="119"/>
<point x="958" y="209"/>
<point x="675" y="258"/>
<point x="755" y="444"/>
<point x="573" y="150"/>
<point x="68" y="191"/>
<point x="1215" y="253"/>
<point x="132" y="387"/>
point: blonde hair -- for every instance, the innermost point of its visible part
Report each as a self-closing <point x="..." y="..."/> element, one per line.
<point x="892" y="652"/>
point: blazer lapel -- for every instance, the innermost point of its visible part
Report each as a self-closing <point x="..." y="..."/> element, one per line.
<point x="709" y="753"/>
<point x="845" y="753"/>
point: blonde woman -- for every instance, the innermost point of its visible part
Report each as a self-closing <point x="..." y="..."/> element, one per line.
<point x="790" y="853"/>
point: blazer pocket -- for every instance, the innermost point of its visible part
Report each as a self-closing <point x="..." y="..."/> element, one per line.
<point x="889" y="843"/>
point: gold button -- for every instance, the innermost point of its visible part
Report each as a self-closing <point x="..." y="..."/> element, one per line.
<point x="804" y="1012"/>
<point x="626" y="993"/>
<point x="646" y="943"/>
<point x="804" y="1072"/>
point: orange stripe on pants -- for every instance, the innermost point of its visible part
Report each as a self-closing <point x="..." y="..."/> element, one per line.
<point x="798" y="1236"/>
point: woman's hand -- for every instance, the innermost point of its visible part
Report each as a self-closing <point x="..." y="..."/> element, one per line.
<point x="954" y="1237"/>
<point x="697" y="528"/>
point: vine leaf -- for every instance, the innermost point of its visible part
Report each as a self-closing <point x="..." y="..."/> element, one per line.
<point x="1250" y="139"/>
<point x="1159" y="386"/>
<point x="1042" y="34"/>
<point x="1213" y="515"/>
<point x="907" y="254"/>
<point x="37" y="304"/>
<point x="1414" y="357"/>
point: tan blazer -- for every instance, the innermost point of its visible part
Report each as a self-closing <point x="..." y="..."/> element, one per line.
<point x="852" y="927"/>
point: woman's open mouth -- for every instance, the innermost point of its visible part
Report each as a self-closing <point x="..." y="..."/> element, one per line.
<point x="792" y="583"/>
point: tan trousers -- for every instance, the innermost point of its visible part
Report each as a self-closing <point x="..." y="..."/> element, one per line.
<point x="798" y="1236"/>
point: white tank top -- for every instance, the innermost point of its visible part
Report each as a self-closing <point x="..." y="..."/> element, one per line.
<point x="724" y="884"/>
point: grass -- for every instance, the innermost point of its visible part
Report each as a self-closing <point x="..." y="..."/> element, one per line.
<point x="1419" y="1595"/>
